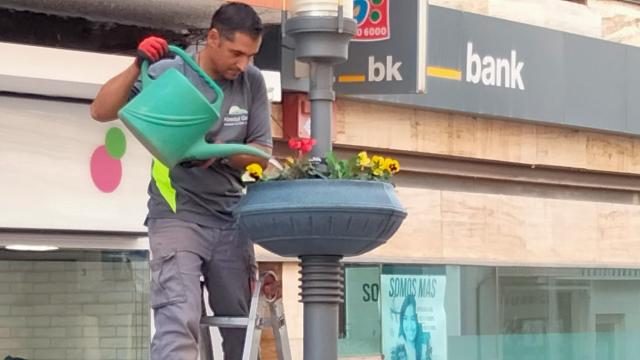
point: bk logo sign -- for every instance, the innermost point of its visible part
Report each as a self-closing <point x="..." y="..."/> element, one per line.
<point x="372" y="17"/>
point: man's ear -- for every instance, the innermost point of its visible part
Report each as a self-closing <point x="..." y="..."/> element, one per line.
<point x="213" y="37"/>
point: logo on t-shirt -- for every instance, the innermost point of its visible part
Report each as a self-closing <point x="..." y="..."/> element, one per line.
<point x="237" y="116"/>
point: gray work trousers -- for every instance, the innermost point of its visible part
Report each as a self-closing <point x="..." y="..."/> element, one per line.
<point x="182" y="252"/>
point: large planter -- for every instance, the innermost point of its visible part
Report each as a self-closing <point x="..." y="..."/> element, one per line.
<point x="320" y="217"/>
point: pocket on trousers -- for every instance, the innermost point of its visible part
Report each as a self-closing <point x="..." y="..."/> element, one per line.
<point x="167" y="284"/>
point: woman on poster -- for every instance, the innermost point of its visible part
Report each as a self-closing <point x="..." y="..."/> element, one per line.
<point x="414" y="344"/>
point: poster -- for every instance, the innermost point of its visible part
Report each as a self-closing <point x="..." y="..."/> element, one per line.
<point x="413" y="316"/>
<point x="362" y="328"/>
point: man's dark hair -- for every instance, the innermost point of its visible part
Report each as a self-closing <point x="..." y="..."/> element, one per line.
<point x="235" y="17"/>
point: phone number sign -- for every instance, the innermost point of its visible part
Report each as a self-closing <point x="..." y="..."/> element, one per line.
<point x="372" y="17"/>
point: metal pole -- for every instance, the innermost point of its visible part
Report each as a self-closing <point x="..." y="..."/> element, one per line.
<point x="205" y="348"/>
<point x="321" y="96"/>
<point x="322" y="291"/>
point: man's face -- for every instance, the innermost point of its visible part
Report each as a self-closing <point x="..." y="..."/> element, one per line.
<point x="230" y="57"/>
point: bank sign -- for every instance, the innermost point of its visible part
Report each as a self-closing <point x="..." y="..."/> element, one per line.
<point x="491" y="70"/>
<point x="388" y="53"/>
<point x="482" y="65"/>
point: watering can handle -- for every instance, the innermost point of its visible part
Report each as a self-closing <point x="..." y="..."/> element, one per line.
<point x="146" y="79"/>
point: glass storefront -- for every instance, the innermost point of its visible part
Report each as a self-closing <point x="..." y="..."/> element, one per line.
<point x="74" y="304"/>
<point x="488" y="313"/>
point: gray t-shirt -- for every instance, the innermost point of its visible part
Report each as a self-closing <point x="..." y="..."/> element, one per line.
<point x="208" y="196"/>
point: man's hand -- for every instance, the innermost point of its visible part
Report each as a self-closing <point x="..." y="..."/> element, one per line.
<point x="151" y="49"/>
<point x="240" y="161"/>
<point x="271" y="287"/>
<point x="237" y="161"/>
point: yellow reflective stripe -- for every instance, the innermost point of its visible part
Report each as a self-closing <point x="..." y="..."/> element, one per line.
<point x="160" y="175"/>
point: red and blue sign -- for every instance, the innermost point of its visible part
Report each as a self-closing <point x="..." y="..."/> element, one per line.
<point x="372" y="17"/>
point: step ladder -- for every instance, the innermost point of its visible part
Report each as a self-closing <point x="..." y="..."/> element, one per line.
<point x="263" y="311"/>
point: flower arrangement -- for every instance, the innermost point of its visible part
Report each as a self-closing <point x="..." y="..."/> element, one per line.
<point x="302" y="166"/>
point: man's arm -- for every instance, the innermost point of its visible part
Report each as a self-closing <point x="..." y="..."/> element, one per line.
<point x="113" y="95"/>
<point x="258" y="128"/>
<point x="240" y="161"/>
<point x="259" y="125"/>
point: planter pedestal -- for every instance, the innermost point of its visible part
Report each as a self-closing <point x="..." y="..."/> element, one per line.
<point x="321" y="292"/>
<point x="320" y="221"/>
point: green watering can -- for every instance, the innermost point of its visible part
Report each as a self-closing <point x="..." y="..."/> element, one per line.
<point x="170" y="117"/>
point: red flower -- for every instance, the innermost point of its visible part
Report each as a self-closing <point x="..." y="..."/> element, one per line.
<point x="307" y="144"/>
<point x="295" y="144"/>
<point x="306" y="148"/>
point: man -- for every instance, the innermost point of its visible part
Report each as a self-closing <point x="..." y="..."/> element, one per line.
<point x="192" y="231"/>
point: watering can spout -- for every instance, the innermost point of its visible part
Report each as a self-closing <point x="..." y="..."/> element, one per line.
<point x="202" y="150"/>
<point x="170" y="117"/>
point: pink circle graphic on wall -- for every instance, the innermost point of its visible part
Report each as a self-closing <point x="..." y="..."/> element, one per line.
<point x="106" y="167"/>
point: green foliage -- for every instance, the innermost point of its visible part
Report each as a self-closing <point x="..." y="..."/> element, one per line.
<point x="302" y="166"/>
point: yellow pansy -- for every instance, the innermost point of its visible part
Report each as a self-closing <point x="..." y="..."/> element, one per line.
<point x="377" y="171"/>
<point x="391" y="165"/>
<point x="255" y="171"/>
<point x="363" y="158"/>
<point x="378" y="161"/>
